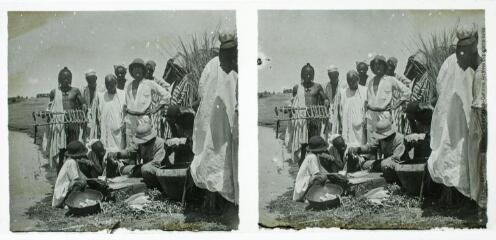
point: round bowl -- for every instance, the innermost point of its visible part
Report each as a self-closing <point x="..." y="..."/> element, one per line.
<point x="84" y="203"/>
<point x="316" y="196"/>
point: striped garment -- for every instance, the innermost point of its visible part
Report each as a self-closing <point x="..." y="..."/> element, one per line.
<point x="422" y="89"/>
<point x="183" y="94"/>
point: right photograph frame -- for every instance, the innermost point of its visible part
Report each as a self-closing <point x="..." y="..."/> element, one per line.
<point x="372" y="119"/>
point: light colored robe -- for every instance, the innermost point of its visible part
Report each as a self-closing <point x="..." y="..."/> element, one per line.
<point x="309" y="168"/>
<point x="381" y="99"/>
<point x="110" y="117"/>
<point x="214" y="166"/>
<point x="351" y="112"/>
<point x="141" y="103"/>
<point x="448" y="163"/>
<point x="297" y="131"/>
<point x="54" y="138"/>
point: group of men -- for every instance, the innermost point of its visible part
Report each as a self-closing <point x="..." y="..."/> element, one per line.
<point x="446" y="120"/>
<point x="137" y="127"/>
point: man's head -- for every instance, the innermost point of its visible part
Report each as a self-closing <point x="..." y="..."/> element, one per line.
<point x="91" y="78"/>
<point x="65" y="78"/>
<point x="307" y="73"/>
<point x="352" y="79"/>
<point x="145" y="134"/>
<point x="333" y="73"/>
<point x="384" y="130"/>
<point x="172" y="114"/>
<point x="137" y="69"/>
<point x="466" y="47"/>
<point x="228" y="51"/>
<point x="362" y="68"/>
<point x="338" y="142"/>
<point x="317" y="144"/>
<point x="378" y="65"/>
<point x="98" y="148"/>
<point x="416" y="66"/>
<point x="120" y="71"/>
<point x="150" y="69"/>
<point x="391" y="66"/>
<point x="111" y="83"/>
<point x="173" y="72"/>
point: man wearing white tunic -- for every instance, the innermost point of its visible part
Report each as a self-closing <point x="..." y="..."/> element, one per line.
<point x="380" y="95"/>
<point x="457" y="158"/>
<point x="109" y="110"/>
<point x="138" y="94"/>
<point x="351" y="110"/>
<point x="214" y="166"/>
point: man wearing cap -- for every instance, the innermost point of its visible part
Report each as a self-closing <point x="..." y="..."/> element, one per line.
<point x="63" y="98"/>
<point x="89" y="93"/>
<point x="380" y="94"/>
<point x="144" y="157"/>
<point x="459" y="117"/>
<point x="332" y="90"/>
<point x="215" y="138"/>
<point x="314" y="166"/>
<point x="392" y="147"/>
<point x="120" y="72"/>
<point x="74" y="172"/>
<point x="362" y="69"/>
<point x="350" y="111"/>
<point x="308" y="93"/>
<point x="108" y="107"/>
<point x="139" y="94"/>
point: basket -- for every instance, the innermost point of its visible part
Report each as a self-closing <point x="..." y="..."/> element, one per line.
<point x="410" y="176"/>
<point x="172" y="182"/>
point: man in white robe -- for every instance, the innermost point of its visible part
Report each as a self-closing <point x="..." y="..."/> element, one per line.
<point x="214" y="166"/>
<point x="109" y="110"/>
<point x="458" y="158"/>
<point x="351" y="111"/>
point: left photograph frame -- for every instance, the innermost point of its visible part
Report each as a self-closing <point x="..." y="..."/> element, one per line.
<point x="123" y="119"/>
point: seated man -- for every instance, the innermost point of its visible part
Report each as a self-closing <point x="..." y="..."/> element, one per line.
<point x="313" y="169"/>
<point x="144" y="157"/>
<point x="73" y="173"/>
<point x="390" y="144"/>
<point x="180" y="121"/>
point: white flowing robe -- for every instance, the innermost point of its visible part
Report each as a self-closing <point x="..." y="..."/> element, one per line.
<point x="214" y="166"/>
<point x="448" y="163"/>
<point x="298" y="128"/>
<point x="54" y="138"/>
<point x="110" y="115"/>
<point x="351" y="111"/>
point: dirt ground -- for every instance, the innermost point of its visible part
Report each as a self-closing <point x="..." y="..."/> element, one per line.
<point x="31" y="185"/>
<point x="399" y="211"/>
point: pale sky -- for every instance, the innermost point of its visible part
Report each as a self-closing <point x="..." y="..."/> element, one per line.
<point x="40" y="45"/>
<point x="290" y="39"/>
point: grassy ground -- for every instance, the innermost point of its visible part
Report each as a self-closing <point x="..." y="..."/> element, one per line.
<point x="159" y="214"/>
<point x="399" y="211"/>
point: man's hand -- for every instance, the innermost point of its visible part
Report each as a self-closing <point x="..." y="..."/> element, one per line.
<point x="353" y="150"/>
<point x="318" y="178"/>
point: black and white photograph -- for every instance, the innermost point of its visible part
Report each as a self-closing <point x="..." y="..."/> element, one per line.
<point x="123" y="120"/>
<point x="372" y="119"/>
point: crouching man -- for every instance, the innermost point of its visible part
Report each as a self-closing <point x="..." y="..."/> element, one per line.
<point x="316" y="167"/>
<point x="390" y="145"/>
<point x="144" y="157"/>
